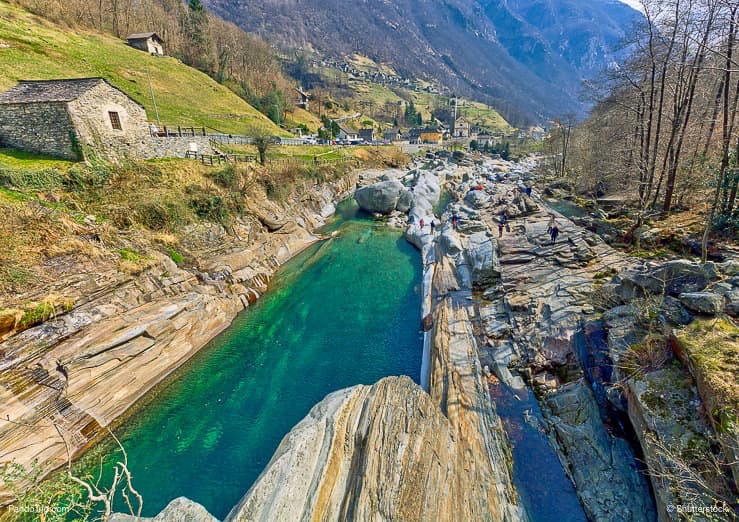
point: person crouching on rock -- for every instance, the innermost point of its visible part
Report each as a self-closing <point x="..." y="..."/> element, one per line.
<point x="502" y="220"/>
<point x="554" y="231"/>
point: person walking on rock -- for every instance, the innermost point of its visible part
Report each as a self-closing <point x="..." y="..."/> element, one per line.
<point x="554" y="231"/>
<point x="502" y="220"/>
<point x="420" y="224"/>
<point x="550" y="224"/>
<point x="433" y="227"/>
<point x="454" y="221"/>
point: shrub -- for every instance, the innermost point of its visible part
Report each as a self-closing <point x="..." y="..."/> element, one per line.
<point x="226" y="177"/>
<point x="210" y="207"/>
<point x="47" y="179"/>
<point x="128" y="254"/>
<point x="175" y="256"/>
<point x="166" y="215"/>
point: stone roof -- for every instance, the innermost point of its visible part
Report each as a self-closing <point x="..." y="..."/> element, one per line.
<point x="347" y="129"/>
<point x="143" y="36"/>
<point x="40" y="91"/>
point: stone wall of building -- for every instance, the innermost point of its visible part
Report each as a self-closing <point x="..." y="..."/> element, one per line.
<point x="90" y="116"/>
<point x="41" y="128"/>
<point x="173" y="147"/>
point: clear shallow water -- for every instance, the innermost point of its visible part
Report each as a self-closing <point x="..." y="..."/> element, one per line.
<point x="343" y="312"/>
<point x="566" y="208"/>
<point x="545" y="490"/>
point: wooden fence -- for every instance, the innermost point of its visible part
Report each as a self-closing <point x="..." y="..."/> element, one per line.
<point x="217" y="159"/>
<point x="170" y="131"/>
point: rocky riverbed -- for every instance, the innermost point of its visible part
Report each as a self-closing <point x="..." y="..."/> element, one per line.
<point x="594" y="333"/>
<point x="599" y="336"/>
<point x="621" y="353"/>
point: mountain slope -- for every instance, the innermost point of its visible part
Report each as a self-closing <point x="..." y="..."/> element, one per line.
<point x="34" y="49"/>
<point x="527" y="57"/>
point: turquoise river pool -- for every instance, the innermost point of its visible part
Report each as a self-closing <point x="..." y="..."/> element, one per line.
<point x="343" y="312"/>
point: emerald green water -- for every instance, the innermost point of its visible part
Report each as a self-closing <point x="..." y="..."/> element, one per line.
<point x="344" y="312"/>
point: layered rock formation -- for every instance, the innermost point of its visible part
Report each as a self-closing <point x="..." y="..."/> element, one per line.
<point x="80" y="371"/>
<point x="381" y="452"/>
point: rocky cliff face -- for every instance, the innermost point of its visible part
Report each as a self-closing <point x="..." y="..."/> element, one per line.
<point x="81" y="371"/>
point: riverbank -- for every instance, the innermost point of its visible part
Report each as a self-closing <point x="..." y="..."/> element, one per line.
<point x="75" y="374"/>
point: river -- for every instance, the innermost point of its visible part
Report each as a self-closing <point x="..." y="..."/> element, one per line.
<point x="343" y="312"/>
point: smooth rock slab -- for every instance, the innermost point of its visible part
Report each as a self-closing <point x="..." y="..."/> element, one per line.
<point x="482" y="254"/>
<point x="180" y="509"/>
<point x="610" y="488"/>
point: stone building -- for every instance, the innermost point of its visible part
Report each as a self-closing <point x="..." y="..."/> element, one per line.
<point x="302" y="99"/>
<point x="461" y="128"/>
<point x="368" y="135"/>
<point x="61" y="117"/>
<point x="149" y="42"/>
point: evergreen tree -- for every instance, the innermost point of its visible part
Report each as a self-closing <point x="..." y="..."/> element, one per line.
<point x="196" y="47"/>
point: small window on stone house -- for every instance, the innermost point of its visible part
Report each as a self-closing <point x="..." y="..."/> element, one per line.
<point x="115" y="120"/>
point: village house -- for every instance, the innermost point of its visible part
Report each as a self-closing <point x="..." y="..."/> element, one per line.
<point x="485" y="140"/>
<point x="461" y="128"/>
<point x="414" y="136"/>
<point x="58" y="117"/>
<point x="368" y="135"/>
<point x="302" y="99"/>
<point x="346" y="133"/>
<point x="391" y="135"/>
<point x="149" y="42"/>
<point x="64" y="118"/>
<point x="432" y="136"/>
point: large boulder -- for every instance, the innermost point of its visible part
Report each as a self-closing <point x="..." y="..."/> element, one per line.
<point x="179" y="510"/>
<point x="405" y="201"/>
<point x="672" y="278"/>
<point x="477" y="199"/>
<point x="703" y="302"/>
<point x="483" y="258"/>
<point x="381" y="452"/>
<point x="380" y="197"/>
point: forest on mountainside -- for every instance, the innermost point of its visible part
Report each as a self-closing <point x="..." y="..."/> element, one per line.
<point x="240" y="60"/>
<point x="664" y="130"/>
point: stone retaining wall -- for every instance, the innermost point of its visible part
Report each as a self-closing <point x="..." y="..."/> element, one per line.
<point x="173" y="147"/>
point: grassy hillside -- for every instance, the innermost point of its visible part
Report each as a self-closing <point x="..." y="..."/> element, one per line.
<point x="34" y="49"/>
